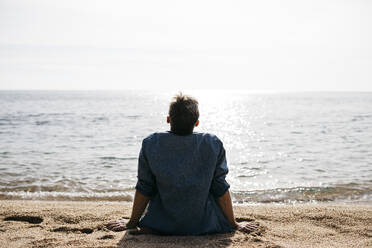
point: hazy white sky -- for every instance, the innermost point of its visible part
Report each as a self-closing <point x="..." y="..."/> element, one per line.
<point x="251" y="45"/>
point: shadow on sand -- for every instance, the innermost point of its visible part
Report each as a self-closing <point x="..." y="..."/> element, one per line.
<point x="146" y="241"/>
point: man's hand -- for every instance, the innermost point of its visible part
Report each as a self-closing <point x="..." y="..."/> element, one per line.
<point x="139" y="205"/>
<point x="245" y="227"/>
<point x="121" y="225"/>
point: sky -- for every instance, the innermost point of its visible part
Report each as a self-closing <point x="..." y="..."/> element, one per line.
<point x="269" y="45"/>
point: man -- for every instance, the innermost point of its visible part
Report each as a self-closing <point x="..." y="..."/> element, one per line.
<point x="181" y="177"/>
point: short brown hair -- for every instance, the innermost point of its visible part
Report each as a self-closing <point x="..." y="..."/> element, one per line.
<point x="183" y="113"/>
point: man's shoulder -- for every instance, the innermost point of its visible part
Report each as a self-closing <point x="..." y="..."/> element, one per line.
<point x="210" y="137"/>
<point x="205" y="136"/>
<point x="155" y="135"/>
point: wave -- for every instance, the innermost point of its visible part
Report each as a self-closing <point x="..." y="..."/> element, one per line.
<point x="361" y="117"/>
<point x="117" y="158"/>
<point x="350" y="193"/>
<point x="40" y="123"/>
<point x="340" y="193"/>
<point x="66" y="196"/>
<point x="133" y="116"/>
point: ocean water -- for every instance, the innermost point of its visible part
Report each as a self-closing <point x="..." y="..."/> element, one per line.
<point x="281" y="147"/>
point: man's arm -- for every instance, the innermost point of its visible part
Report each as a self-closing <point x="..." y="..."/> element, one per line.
<point x="139" y="205"/>
<point x="225" y="204"/>
<point x="145" y="189"/>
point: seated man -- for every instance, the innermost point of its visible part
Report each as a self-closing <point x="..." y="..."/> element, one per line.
<point x="181" y="176"/>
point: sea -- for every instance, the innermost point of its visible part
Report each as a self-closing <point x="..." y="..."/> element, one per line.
<point x="282" y="148"/>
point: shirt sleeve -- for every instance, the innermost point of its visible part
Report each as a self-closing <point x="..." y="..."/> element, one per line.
<point x="219" y="185"/>
<point x="146" y="183"/>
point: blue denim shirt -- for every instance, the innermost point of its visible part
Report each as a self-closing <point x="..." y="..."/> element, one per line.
<point x="183" y="176"/>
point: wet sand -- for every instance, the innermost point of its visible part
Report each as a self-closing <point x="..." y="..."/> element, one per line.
<point x="81" y="224"/>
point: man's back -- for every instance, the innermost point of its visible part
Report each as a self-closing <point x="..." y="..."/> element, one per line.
<point x="183" y="175"/>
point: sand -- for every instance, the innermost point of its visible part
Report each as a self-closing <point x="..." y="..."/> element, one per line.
<point x="81" y="224"/>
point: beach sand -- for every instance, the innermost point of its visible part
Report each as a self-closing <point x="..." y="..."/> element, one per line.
<point x="81" y="224"/>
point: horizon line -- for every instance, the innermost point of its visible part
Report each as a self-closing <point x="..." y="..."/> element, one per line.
<point x="200" y="90"/>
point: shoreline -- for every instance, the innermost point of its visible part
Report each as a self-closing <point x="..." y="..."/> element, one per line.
<point x="128" y="199"/>
<point x="27" y="223"/>
<point x="336" y="194"/>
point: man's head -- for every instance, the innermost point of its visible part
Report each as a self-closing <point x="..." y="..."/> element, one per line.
<point x="183" y="114"/>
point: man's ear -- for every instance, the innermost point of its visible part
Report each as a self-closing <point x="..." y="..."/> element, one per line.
<point x="168" y="119"/>
<point x="196" y="123"/>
